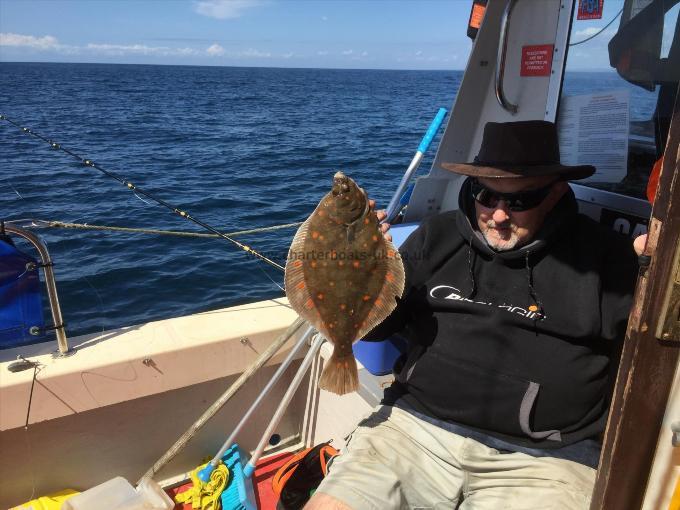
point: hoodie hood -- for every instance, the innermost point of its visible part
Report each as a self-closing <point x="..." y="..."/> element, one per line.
<point x="564" y="211"/>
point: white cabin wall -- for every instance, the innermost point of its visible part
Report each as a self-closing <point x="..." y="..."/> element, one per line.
<point x="532" y="22"/>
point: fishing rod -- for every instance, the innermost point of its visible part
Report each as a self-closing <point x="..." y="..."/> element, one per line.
<point x="137" y="190"/>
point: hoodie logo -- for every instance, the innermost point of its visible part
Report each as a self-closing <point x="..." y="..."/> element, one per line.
<point x="451" y="293"/>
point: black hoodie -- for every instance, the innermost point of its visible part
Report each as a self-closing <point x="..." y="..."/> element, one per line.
<point x="480" y="357"/>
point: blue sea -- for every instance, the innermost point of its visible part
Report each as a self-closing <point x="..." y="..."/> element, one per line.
<point x="238" y="148"/>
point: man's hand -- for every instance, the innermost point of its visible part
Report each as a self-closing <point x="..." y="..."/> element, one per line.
<point x="382" y="214"/>
<point x="639" y="244"/>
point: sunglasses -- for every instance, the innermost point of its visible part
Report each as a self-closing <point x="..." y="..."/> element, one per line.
<point x="516" y="202"/>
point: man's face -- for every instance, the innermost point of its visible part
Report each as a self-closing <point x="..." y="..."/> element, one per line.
<point x="504" y="229"/>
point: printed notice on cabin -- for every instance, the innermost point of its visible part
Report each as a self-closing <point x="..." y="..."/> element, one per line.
<point x="536" y="60"/>
<point x="593" y="130"/>
<point x="589" y="9"/>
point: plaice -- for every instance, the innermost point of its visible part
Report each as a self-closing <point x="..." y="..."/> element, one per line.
<point x="343" y="276"/>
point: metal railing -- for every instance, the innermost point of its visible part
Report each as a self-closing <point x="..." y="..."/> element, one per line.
<point x="50" y="283"/>
<point x="500" y="58"/>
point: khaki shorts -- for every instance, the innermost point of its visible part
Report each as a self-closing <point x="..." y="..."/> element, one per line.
<point x="395" y="460"/>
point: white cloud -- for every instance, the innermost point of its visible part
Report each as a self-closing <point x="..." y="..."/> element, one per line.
<point x="419" y="53"/>
<point x="348" y="52"/>
<point x="364" y="54"/>
<point x="46" y="42"/>
<point x="590" y="31"/>
<point x="324" y="18"/>
<point x="225" y="9"/>
<point x="139" y="49"/>
<point x="251" y="52"/>
<point x="287" y="55"/>
<point x="322" y="53"/>
<point x="215" y="50"/>
<point x="587" y="32"/>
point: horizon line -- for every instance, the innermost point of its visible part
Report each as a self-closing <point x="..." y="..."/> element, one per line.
<point x="598" y="70"/>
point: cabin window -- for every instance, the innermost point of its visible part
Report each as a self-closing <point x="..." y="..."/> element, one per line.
<point x="617" y="118"/>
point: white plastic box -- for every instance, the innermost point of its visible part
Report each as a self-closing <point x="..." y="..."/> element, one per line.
<point x="118" y="494"/>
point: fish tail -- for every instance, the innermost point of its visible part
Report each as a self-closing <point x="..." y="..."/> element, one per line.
<point x="340" y="375"/>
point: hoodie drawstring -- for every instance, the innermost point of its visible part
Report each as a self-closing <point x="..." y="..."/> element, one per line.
<point x="536" y="306"/>
<point x="471" y="270"/>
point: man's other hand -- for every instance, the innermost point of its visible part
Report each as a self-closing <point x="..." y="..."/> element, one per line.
<point x="638" y="244"/>
<point x="382" y="214"/>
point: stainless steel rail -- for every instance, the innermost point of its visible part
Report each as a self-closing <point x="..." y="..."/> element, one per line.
<point x="50" y="282"/>
<point x="500" y="58"/>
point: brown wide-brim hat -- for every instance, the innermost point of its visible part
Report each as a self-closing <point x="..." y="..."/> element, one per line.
<point x="527" y="148"/>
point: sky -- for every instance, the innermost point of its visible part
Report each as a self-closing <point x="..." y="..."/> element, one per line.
<point x="374" y="34"/>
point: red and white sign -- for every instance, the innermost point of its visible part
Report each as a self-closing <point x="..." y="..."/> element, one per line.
<point x="589" y="9"/>
<point x="537" y="60"/>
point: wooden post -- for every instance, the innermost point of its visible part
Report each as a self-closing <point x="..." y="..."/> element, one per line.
<point x="647" y="364"/>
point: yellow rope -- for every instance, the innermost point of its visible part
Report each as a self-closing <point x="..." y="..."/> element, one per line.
<point x="205" y="496"/>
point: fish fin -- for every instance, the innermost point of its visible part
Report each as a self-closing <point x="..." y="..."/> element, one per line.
<point x="294" y="280"/>
<point x="351" y="233"/>
<point x="392" y="288"/>
<point x="340" y="375"/>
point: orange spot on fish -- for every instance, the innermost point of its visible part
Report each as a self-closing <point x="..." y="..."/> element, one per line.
<point x="533" y="308"/>
<point x="366" y="221"/>
<point x="330" y="326"/>
<point x="315" y="234"/>
<point x="356" y="264"/>
<point x="391" y="253"/>
<point x="320" y="237"/>
<point x="356" y="326"/>
<point x="343" y="306"/>
<point x="365" y="245"/>
<point x="313" y="263"/>
<point x="319" y="295"/>
<point x="366" y="297"/>
<point x="378" y="302"/>
<point x="309" y="303"/>
<point x="300" y="286"/>
<point x="341" y="263"/>
<point x="332" y="284"/>
<point x="297" y="263"/>
<point x="321" y="213"/>
<point x="375" y="238"/>
<point x="389" y="277"/>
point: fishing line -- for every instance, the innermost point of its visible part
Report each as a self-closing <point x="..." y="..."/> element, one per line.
<point x="15" y="191"/>
<point x="146" y="202"/>
<point x="29" y="447"/>
<point x="101" y="303"/>
<point x="136" y="189"/>
<point x="598" y="33"/>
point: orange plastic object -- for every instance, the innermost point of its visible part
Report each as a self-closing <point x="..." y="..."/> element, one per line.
<point x="653" y="182"/>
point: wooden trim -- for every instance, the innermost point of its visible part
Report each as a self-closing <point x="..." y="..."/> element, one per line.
<point x="647" y="364"/>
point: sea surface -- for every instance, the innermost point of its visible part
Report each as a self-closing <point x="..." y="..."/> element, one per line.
<point x="238" y="148"/>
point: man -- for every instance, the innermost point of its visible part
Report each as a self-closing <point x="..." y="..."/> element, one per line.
<point x="515" y="309"/>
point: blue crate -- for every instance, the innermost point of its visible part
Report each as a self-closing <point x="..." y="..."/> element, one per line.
<point x="379" y="357"/>
<point x="239" y="494"/>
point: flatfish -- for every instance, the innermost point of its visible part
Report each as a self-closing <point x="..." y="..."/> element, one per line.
<point x="343" y="276"/>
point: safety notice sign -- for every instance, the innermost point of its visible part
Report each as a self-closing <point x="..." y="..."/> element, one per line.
<point x="536" y="60"/>
<point x="590" y="9"/>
